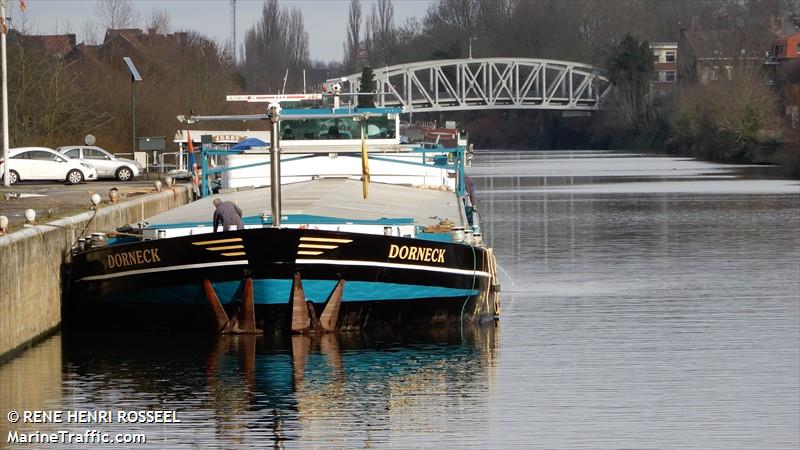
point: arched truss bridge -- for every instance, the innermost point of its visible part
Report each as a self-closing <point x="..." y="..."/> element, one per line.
<point x="486" y="83"/>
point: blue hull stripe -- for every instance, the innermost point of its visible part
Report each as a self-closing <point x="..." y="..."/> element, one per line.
<point x="276" y="292"/>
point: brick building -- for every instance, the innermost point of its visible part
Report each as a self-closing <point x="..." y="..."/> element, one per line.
<point x="665" y="76"/>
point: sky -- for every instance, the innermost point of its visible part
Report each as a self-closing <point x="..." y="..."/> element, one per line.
<point x="325" y="20"/>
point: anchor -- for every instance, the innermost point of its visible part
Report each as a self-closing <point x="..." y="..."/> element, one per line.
<point x="304" y="314"/>
<point x="245" y="320"/>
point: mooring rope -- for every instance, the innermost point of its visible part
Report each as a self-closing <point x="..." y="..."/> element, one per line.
<point x="474" y="278"/>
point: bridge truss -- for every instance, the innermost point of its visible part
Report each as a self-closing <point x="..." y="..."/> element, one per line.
<point x="486" y="83"/>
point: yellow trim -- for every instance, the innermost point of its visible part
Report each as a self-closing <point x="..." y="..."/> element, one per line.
<point x="224" y="247"/>
<point x="234" y="254"/>
<point x="303" y="252"/>
<point x="333" y="240"/>
<point x="324" y="247"/>
<point x="218" y="241"/>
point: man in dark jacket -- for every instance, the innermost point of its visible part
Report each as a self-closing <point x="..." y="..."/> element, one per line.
<point x="227" y="213"/>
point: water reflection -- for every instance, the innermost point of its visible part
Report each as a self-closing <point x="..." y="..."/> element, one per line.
<point x="31" y="383"/>
<point x="349" y="390"/>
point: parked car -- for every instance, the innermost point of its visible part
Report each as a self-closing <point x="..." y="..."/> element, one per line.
<point x="107" y="165"/>
<point x="41" y="163"/>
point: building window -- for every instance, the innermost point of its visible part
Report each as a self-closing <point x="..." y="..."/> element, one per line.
<point x="669" y="56"/>
<point x="664" y="76"/>
<point x="729" y="72"/>
<point x="778" y="50"/>
<point x="797" y="50"/>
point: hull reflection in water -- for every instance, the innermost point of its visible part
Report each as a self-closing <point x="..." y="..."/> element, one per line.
<point x="347" y="390"/>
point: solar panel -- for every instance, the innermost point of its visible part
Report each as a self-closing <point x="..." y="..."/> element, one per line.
<point x="134" y="73"/>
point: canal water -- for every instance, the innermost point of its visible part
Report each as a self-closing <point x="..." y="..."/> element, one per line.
<point x="648" y="302"/>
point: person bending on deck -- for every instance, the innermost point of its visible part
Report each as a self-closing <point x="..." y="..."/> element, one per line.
<point x="227" y="213"/>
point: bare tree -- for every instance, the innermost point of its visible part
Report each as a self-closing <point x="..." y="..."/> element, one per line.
<point x="91" y="32"/>
<point x="457" y="15"/>
<point x="353" y="42"/>
<point x="159" y="21"/>
<point x="264" y="49"/>
<point x="380" y="35"/>
<point x="117" y="14"/>
<point x="296" y="46"/>
<point x="631" y="69"/>
<point x="47" y="97"/>
<point x="276" y="43"/>
<point x="711" y="122"/>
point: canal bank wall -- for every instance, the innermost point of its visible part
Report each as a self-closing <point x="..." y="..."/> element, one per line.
<point x="32" y="260"/>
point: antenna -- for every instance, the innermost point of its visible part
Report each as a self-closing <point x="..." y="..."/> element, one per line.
<point x="233" y="27"/>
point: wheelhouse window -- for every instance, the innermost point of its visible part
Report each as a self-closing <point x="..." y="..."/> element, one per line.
<point x="669" y="56"/>
<point x="333" y="128"/>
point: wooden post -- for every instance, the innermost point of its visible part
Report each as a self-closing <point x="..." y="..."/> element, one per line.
<point x="301" y="322"/>
<point x="330" y="314"/>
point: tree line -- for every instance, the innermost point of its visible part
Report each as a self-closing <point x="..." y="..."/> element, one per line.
<point x="729" y="120"/>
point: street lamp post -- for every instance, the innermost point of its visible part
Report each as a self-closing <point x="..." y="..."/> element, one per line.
<point x="471" y="38"/>
<point x="134" y="78"/>
<point x="6" y="181"/>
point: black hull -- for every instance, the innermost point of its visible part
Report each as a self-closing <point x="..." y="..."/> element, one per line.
<point x="390" y="282"/>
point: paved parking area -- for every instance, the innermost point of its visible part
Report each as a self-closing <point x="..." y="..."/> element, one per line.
<point x="54" y="200"/>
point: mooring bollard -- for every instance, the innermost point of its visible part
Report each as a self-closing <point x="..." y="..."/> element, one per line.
<point x="30" y="218"/>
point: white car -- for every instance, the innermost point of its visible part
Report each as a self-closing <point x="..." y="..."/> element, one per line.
<point x="107" y="165"/>
<point x="41" y="163"/>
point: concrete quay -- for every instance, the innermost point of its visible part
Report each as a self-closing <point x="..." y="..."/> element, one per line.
<point x="53" y="201"/>
<point x="32" y="259"/>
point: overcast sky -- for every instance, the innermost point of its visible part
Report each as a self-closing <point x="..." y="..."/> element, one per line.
<point x="325" y="20"/>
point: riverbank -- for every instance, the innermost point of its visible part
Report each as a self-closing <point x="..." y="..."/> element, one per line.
<point x="32" y="262"/>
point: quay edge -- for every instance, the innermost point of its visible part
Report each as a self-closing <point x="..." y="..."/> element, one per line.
<point x="31" y="266"/>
